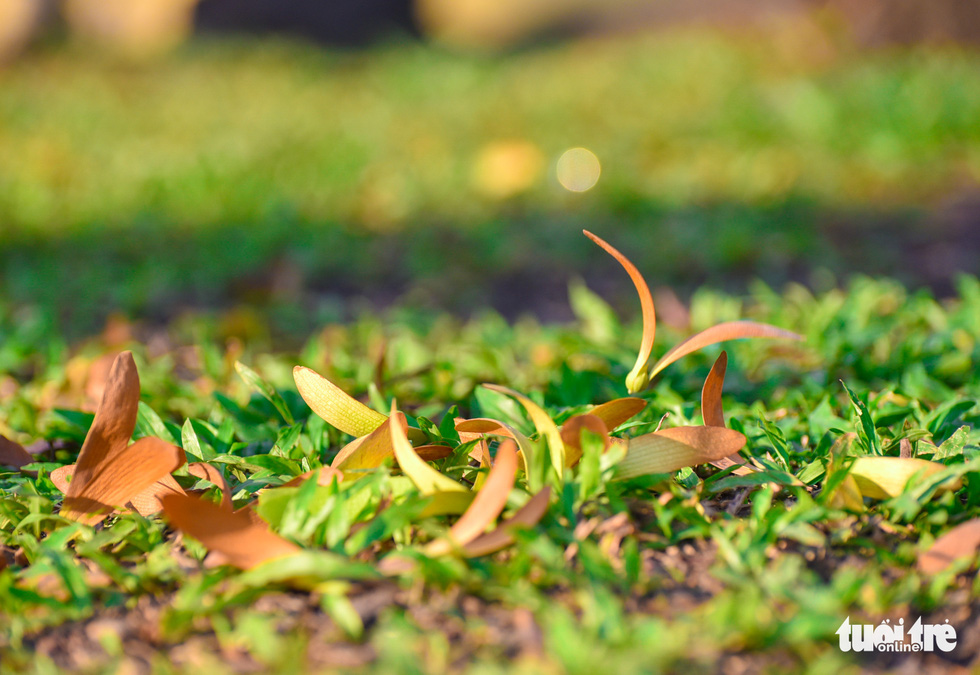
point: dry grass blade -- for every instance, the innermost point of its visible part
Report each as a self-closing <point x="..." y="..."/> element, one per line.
<point x="887" y="477"/>
<point x="426" y="479"/>
<point x="669" y="450"/>
<point x="527" y="516"/>
<point x="960" y="542"/>
<point x="114" y="421"/>
<point x="118" y="480"/>
<point x="205" y="471"/>
<point x="334" y="405"/>
<point x="13" y="454"/>
<point x="543" y="423"/>
<point x="620" y="410"/>
<point x="487" y="504"/>
<point x="731" y="330"/>
<point x="242" y="539"/>
<point x="571" y="435"/>
<point x="368" y="452"/>
<point x="637" y="379"/>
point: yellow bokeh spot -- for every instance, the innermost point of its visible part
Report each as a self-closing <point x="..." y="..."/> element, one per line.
<point x="578" y="169"/>
<point x="506" y="168"/>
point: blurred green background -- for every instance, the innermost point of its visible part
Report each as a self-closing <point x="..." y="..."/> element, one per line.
<point x="305" y="166"/>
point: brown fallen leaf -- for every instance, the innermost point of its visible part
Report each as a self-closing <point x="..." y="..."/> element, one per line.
<point x="571" y="435"/>
<point x="241" y="537"/>
<point x="501" y="537"/>
<point x="211" y="474"/>
<point x="486" y="506"/>
<point x="960" y="542"/>
<point x="13" y="454"/>
<point x="714" y="414"/>
<point x="110" y="472"/>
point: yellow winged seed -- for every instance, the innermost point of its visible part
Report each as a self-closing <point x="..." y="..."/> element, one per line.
<point x="334" y="405"/>
<point x="731" y="330"/>
<point x="426" y="479"/>
<point x="637" y="379"/>
<point x="887" y="477"/>
<point x="669" y="450"/>
<point x="367" y="452"/>
<point x="543" y="423"/>
<point x="960" y="542"/>
<point x="620" y="410"/>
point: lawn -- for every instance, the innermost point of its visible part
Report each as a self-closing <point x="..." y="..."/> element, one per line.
<point x="225" y="237"/>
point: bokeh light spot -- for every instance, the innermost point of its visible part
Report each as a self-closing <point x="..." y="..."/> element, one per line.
<point x="578" y="169"/>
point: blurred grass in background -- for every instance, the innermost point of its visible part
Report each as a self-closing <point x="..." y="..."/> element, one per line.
<point x="293" y="178"/>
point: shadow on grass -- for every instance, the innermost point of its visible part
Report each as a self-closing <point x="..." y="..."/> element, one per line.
<point x="301" y="274"/>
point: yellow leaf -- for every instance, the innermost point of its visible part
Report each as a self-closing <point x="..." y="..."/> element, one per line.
<point x="544" y="425"/>
<point x="615" y="412"/>
<point x="887" y="477"/>
<point x="334" y="405"/>
<point x="669" y="450"/>
<point x="426" y="479"/>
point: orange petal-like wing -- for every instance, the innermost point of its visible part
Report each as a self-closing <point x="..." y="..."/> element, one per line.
<point x="960" y="542"/>
<point x="731" y="330"/>
<point x="113" y="425"/>
<point x="571" y="435"/>
<point x="637" y="379"/>
<point x="486" y="506"/>
<point x="242" y="539"/>
<point x="501" y="537"/>
<point x="118" y="480"/>
<point x="207" y="472"/>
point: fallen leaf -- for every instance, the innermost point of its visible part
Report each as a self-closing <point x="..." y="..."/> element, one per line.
<point x="669" y="450"/>
<point x="426" y="479"/>
<point x="887" y="477"/>
<point x="486" y="506"/>
<point x="571" y="435"/>
<point x="960" y="542"/>
<point x="544" y="425"/>
<point x="620" y="410"/>
<point x="334" y="405"/>
<point x="240" y="537"/>
<point x="13" y="454"/>
<point x="501" y="537"/>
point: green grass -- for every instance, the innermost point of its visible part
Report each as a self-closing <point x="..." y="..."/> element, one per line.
<point x="232" y="169"/>
<point x="657" y="573"/>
